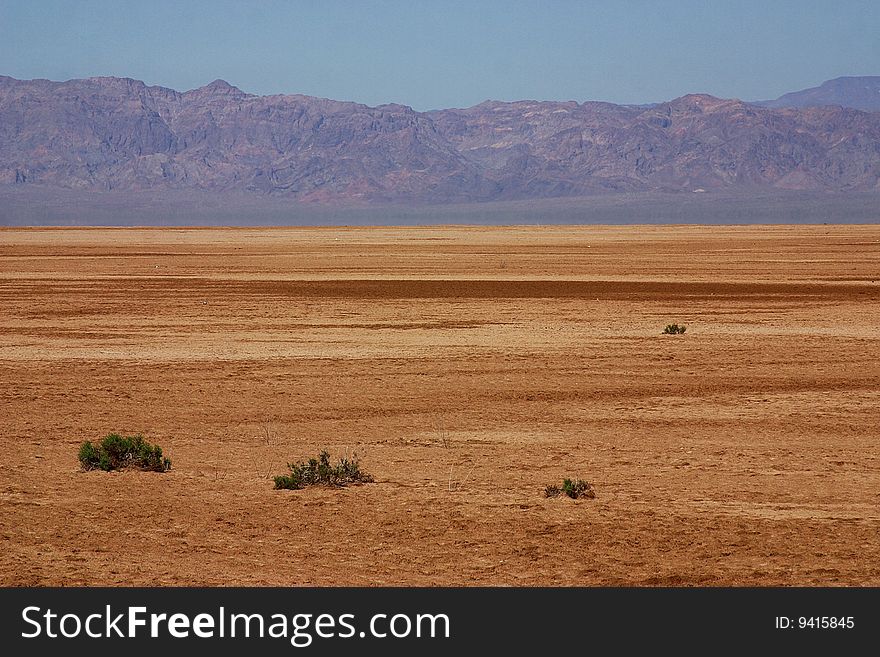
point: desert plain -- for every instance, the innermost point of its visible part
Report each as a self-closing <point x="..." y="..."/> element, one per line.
<point x="468" y="367"/>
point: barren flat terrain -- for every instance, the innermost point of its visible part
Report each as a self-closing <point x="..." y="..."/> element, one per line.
<point x="470" y="368"/>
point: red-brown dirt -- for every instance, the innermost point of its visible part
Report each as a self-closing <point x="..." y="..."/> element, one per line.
<point x="470" y="368"/>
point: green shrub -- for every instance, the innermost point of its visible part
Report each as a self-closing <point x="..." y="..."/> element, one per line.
<point x="674" y="329"/>
<point x="117" y="452"/>
<point x="319" y="472"/>
<point x="572" y="488"/>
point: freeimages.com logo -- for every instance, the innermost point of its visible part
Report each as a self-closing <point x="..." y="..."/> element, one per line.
<point x="300" y="629"/>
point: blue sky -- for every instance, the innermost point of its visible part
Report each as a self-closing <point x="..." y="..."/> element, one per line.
<point x="450" y="54"/>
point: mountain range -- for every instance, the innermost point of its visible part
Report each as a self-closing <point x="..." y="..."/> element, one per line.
<point x="107" y="134"/>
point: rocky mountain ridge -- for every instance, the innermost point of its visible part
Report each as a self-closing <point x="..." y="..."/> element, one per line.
<point x="121" y="134"/>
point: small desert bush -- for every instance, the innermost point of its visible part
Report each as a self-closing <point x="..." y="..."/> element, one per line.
<point x="674" y="329"/>
<point x="319" y="472"/>
<point x="573" y="488"/>
<point x="117" y="452"/>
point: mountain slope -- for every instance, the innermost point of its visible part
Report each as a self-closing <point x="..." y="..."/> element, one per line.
<point x="861" y="93"/>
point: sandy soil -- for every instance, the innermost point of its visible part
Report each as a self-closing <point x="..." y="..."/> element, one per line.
<point x="470" y="367"/>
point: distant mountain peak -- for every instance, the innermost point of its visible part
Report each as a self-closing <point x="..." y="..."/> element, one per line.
<point x="112" y="80"/>
<point x="701" y="101"/>
<point x="858" y="92"/>
<point x="704" y="103"/>
<point x="220" y="83"/>
<point x="219" y="86"/>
